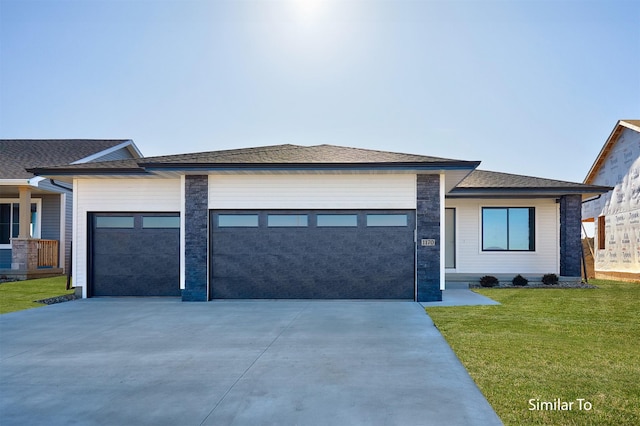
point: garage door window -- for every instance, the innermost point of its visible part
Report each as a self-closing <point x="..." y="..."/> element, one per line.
<point x="114" y="222"/>
<point x="345" y="220"/>
<point x="160" y="222"/>
<point x="386" y="220"/>
<point x="287" y="220"/>
<point x="238" y="220"/>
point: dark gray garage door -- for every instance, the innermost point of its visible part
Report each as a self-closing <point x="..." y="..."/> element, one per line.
<point x="134" y="254"/>
<point x="312" y="254"/>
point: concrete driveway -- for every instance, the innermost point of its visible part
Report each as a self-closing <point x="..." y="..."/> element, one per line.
<point x="166" y="362"/>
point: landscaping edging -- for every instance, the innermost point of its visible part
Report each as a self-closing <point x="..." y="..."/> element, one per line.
<point x="538" y="285"/>
<point x="58" y="299"/>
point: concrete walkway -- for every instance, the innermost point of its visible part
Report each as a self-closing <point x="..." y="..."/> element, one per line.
<point x="166" y="362"/>
<point x="461" y="297"/>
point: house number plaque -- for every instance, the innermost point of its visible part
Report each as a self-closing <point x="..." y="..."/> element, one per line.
<point x="427" y="242"/>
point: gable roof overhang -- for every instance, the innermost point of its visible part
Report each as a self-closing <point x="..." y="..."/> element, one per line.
<point x="620" y="127"/>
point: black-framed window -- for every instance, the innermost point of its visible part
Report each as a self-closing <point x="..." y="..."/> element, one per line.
<point x="508" y="229"/>
<point x="10" y="221"/>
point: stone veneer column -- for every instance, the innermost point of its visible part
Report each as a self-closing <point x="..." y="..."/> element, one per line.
<point x="196" y="212"/>
<point x="570" y="235"/>
<point x="24" y="254"/>
<point x="428" y="227"/>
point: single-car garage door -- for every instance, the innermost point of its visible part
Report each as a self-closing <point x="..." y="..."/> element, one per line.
<point x="134" y="254"/>
<point x="312" y="254"/>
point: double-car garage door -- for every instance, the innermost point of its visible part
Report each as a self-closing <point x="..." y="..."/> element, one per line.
<point x="318" y="254"/>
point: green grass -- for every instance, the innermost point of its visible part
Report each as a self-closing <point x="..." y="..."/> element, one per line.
<point x="553" y="343"/>
<point x="19" y="295"/>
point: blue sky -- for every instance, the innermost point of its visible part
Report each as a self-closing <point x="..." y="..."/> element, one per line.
<point x="527" y="87"/>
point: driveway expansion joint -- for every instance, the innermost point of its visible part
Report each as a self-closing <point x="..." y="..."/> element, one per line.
<point x="294" y="319"/>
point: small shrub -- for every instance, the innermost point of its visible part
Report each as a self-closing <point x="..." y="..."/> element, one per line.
<point x="520" y="281"/>
<point x="550" y="279"/>
<point x="489" y="281"/>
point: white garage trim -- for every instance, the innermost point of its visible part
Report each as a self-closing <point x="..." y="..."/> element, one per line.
<point x="312" y="191"/>
<point x="115" y="195"/>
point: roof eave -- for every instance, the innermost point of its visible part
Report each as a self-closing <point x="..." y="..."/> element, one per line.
<point x="525" y="192"/>
<point x="86" y="171"/>
<point x="436" y="165"/>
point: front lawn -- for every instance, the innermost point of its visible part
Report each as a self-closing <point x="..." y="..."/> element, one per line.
<point x="19" y="295"/>
<point x="544" y="347"/>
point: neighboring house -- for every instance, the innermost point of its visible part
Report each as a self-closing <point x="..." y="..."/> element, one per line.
<point x="616" y="214"/>
<point x="35" y="212"/>
<point x="324" y="222"/>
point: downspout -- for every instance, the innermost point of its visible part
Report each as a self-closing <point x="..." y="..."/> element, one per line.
<point x="70" y="260"/>
<point x="54" y="183"/>
<point x="592" y="199"/>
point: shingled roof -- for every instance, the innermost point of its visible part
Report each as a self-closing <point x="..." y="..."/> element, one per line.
<point x="294" y="154"/>
<point x="16" y="155"/>
<point x="484" y="182"/>
<point x="281" y="156"/>
<point x="318" y="157"/>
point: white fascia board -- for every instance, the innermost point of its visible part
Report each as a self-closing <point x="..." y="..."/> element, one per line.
<point x="7" y="182"/>
<point x="22" y="182"/>
<point x="126" y="144"/>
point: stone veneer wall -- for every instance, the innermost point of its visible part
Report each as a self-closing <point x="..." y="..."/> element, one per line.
<point x="570" y="236"/>
<point x="196" y="237"/>
<point x="428" y="227"/>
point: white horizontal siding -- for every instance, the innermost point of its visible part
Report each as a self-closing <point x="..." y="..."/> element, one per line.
<point x="469" y="255"/>
<point x="115" y="195"/>
<point x="312" y="191"/>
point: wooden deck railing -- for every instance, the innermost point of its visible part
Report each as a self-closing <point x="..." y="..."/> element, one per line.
<point x="47" y="253"/>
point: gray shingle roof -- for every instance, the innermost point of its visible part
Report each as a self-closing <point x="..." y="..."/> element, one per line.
<point x="483" y="181"/>
<point x="283" y="156"/>
<point x="16" y="155"/>
<point x="294" y="154"/>
<point x="276" y="156"/>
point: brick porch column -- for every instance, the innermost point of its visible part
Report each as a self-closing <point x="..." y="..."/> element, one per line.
<point x="428" y="228"/>
<point x="196" y="212"/>
<point x="570" y="236"/>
